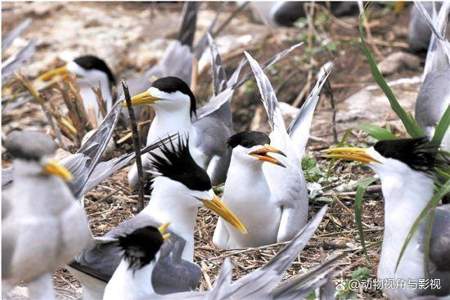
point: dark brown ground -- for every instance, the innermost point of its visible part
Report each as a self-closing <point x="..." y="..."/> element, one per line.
<point x="134" y="26"/>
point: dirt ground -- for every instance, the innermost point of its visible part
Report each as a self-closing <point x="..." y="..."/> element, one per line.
<point x="132" y="36"/>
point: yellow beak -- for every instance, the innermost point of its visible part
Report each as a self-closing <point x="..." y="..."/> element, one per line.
<point x="163" y="230"/>
<point x="52" y="167"/>
<point x="350" y="153"/>
<point x="217" y="205"/>
<point x="142" y="98"/>
<point x="53" y="73"/>
<point x="262" y="154"/>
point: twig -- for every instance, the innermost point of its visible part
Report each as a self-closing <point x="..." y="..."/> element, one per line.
<point x="38" y="97"/>
<point x="230" y="17"/>
<point x="100" y="100"/>
<point x="136" y="145"/>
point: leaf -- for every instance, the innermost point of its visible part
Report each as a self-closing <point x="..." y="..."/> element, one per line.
<point x="442" y="127"/>
<point x="377" y="132"/>
<point x="413" y="129"/>
<point x="428" y="210"/>
<point x="362" y="186"/>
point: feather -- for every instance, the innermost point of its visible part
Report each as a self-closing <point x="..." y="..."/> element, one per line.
<point x="188" y="25"/>
<point x="300" y="127"/>
<point x="13" y="34"/>
<point x="218" y="72"/>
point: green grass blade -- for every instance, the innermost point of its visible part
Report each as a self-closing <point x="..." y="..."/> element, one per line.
<point x="440" y="193"/>
<point x="413" y="129"/>
<point x="362" y="186"/>
<point x="377" y="132"/>
<point x="442" y="127"/>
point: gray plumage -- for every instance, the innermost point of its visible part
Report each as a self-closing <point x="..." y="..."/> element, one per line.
<point x="15" y="61"/>
<point x="419" y="33"/>
<point x="434" y="94"/>
<point x="43" y="226"/>
<point x="287" y="185"/>
<point x="29" y="145"/>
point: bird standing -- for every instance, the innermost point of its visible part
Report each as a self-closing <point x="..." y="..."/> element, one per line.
<point x="42" y="224"/>
<point x="180" y="186"/>
<point x="406" y="169"/>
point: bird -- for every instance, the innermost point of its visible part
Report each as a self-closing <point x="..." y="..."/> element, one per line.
<point x="91" y="72"/>
<point x="179" y="187"/>
<point x="434" y="94"/>
<point x="209" y="127"/>
<point x="407" y="170"/>
<point x="42" y="224"/>
<point x="282" y="198"/>
<point x="286" y="13"/>
<point x="142" y="248"/>
<point x="419" y="33"/>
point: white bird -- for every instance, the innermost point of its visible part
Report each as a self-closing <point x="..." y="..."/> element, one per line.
<point x="179" y="188"/>
<point x="208" y="127"/>
<point x="406" y="168"/>
<point x="43" y="226"/>
<point x="281" y="200"/>
<point x="434" y="95"/>
<point x="140" y="254"/>
<point x="91" y="72"/>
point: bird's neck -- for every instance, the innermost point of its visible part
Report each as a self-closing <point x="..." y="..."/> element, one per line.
<point x="127" y="283"/>
<point x="405" y="196"/>
<point x="169" y="122"/>
<point x="167" y="206"/>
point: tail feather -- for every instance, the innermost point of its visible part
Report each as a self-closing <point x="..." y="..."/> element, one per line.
<point x="300" y="127"/>
<point x="189" y="24"/>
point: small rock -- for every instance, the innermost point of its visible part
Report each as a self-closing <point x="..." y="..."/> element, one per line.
<point x="398" y="61"/>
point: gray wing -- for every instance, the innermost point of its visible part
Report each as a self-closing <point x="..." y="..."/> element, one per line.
<point x="188" y="25"/>
<point x="7" y="177"/>
<point x="433" y="95"/>
<point x="261" y="282"/>
<point x="268" y="97"/>
<point x="300" y="127"/>
<point x="218" y="72"/>
<point x="440" y="239"/>
<point x="301" y="285"/>
<point x="438" y="55"/>
<point x="13" y="34"/>
<point x="101" y="260"/>
<point x="18" y="59"/>
<point x="83" y="163"/>
<point x="172" y="274"/>
<point x="105" y="169"/>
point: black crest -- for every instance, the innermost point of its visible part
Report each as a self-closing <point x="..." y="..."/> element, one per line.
<point x="418" y="153"/>
<point x="172" y="84"/>
<point x="248" y="139"/>
<point x="141" y="246"/>
<point x="90" y="62"/>
<point x="177" y="164"/>
<point x="31" y="145"/>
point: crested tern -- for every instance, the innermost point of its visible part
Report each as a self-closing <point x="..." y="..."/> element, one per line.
<point x="434" y="94"/>
<point x="406" y="168"/>
<point x="91" y="72"/>
<point x="282" y="198"/>
<point x="42" y="224"/>
<point x="208" y="127"/>
<point x="180" y="186"/>
<point x="140" y="255"/>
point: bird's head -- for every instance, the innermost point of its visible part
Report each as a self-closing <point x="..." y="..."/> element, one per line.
<point x="87" y="68"/>
<point x="177" y="173"/>
<point x="395" y="156"/>
<point x="32" y="151"/>
<point x="141" y="246"/>
<point x="169" y="94"/>
<point x="254" y="148"/>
